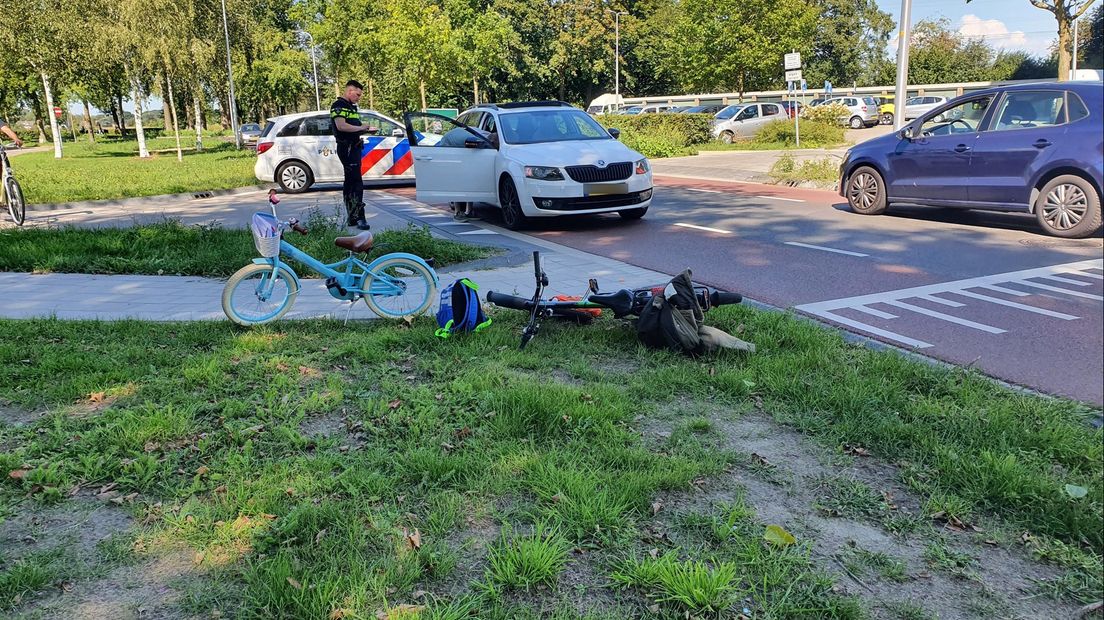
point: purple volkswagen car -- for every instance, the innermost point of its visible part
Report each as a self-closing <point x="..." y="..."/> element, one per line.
<point x="1034" y="148"/>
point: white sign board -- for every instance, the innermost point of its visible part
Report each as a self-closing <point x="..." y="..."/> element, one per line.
<point x="792" y="61"/>
<point x="793" y="76"/>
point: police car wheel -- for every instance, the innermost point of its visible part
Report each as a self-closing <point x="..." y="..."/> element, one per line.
<point x="294" y="177"/>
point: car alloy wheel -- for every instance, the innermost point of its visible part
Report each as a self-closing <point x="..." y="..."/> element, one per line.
<point x="1065" y="206"/>
<point x="727" y="137"/>
<point x="865" y="193"/>
<point x="512" y="216"/>
<point x="294" y="178"/>
<point x="856" y="122"/>
<point x="887" y="118"/>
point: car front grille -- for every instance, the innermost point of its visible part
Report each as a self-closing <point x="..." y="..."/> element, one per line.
<point x="593" y="174"/>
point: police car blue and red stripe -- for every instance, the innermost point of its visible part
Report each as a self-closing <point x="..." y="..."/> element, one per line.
<point x="298" y="150"/>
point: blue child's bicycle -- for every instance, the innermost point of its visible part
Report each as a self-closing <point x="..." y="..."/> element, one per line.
<point x="394" y="285"/>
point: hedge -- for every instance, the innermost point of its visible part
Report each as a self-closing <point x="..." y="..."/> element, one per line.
<point x="662" y="135"/>
<point x="813" y="134"/>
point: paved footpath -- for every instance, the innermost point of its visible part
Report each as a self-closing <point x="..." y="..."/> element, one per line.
<point x="177" y="298"/>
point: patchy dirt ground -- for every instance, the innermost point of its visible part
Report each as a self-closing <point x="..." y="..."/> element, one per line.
<point x="810" y="491"/>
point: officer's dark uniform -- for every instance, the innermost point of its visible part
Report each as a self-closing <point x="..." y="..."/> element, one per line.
<point x="348" y="151"/>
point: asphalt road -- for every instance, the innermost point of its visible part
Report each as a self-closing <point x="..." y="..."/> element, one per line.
<point x="996" y="294"/>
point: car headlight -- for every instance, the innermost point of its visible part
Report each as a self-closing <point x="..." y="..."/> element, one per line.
<point x="543" y="173"/>
<point x="642" y="166"/>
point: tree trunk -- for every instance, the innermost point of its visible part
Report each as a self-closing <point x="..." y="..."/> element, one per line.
<point x="138" y="128"/>
<point x="475" y="89"/>
<point x="122" y="117"/>
<point x="1065" y="44"/>
<point x="88" y="119"/>
<point x="421" y="88"/>
<point x="224" y="114"/>
<point x="36" y="107"/>
<point x="198" y="118"/>
<point x="55" y="133"/>
<point x="175" y="126"/>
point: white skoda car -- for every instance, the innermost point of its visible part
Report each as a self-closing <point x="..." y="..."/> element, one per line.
<point x="532" y="160"/>
<point x="299" y="150"/>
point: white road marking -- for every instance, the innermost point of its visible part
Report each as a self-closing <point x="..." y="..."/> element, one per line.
<point x="1089" y="274"/>
<point x="481" y="231"/>
<point x="1018" y="306"/>
<point x="824" y="249"/>
<point x="778" y="198"/>
<point x="1067" y="281"/>
<point x="1006" y="291"/>
<point x="874" y="312"/>
<point x="705" y="228"/>
<point x="946" y="317"/>
<point x="861" y="303"/>
<point x="1047" y="287"/>
<point x="704" y="191"/>
<point x="940" y="300"/>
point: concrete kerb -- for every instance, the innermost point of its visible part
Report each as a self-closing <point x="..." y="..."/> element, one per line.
<point x="146" y="200"/>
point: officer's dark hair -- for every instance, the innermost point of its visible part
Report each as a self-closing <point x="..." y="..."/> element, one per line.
<point x="354" y="83"/>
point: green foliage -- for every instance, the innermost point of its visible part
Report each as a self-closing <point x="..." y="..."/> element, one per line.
<point x="821" y="172"/>
<point x="782" y="134"/>
<point x="830" y="114"/>
<point x="693" y="585"/>
<point x="525" y="561"/>
<point x="661" y="135"/>
<point x="173" y="248"/>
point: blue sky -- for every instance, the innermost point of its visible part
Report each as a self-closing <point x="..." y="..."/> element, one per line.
<point x="1008" y="24"/>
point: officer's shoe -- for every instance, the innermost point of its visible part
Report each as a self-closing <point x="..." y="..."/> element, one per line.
<point x="362" y="224"/>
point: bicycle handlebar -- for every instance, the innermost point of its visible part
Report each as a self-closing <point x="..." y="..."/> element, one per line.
<point x="299" y="228"/>
<point x="718" y="298"/>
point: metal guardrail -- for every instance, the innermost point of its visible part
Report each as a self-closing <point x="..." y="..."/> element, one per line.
<point x="918" y="90"/>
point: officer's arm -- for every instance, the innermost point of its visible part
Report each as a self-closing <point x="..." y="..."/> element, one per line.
<point x="343" y="125"/>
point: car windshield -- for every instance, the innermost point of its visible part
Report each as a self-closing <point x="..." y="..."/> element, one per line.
<point x="633" y="110"/>
<point x="550" y="126"/>
<point x="251" y="128"/>
<point x="729" y="112"/>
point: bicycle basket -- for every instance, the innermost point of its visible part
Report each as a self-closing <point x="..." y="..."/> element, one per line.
<point x="266" y="234"/>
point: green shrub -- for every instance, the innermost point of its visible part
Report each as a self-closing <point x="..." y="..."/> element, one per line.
<point x="813" y="134"/>
<point x="662" y="135"/>
<point x="832" y="114"/>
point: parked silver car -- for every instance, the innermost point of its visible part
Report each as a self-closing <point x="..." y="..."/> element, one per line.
<point x="744" y="120"/>
<point x="862" y="111"/>
<point x="915" y="107"/>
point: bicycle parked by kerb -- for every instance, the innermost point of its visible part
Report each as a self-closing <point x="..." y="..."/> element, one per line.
<point x="10" y="192"/>
<point x="395" y="285"/>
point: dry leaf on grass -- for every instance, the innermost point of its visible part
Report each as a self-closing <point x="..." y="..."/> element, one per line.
<point x="413" y="539"/>
<point x="294" y="583"/>
<point x="395" y="404"/>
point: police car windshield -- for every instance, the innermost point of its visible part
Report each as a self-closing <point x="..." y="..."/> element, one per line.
<point x="550" y="126"/>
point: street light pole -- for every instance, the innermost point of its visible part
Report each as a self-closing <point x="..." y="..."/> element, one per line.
<point x="230" y="76"/>
<point x="314" y="66"/>
<point x="1076" y="23"/>
<point x="617" y="53"/>
<point x="903" y="36"/>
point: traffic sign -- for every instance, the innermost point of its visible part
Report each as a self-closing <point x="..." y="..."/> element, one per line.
<point x="793" y="76"/>
<point x="57" y="112"/>
<point x="790" y="86"/>
<point x="804" y="86"/>
<point x="792" y="61"/>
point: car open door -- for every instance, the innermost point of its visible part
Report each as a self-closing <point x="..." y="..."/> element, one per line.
<point x="452" y="161"/>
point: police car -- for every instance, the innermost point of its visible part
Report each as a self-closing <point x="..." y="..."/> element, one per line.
<point x="298" y="150"/>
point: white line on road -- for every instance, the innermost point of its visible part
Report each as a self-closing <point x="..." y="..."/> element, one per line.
<point x="1018" y="306"/>
<point x="478" y="232"/>
<point x="877" y="331"/>
<point x="704" y="191"/>
<point x="1006" y="291"/>
<point x="778" y="198"/>
<point x="705" y="228"/>
<point x="946" y="317"/>
<point x="874" y="312"/>
<point x="940" y="300"/>
<point x="822" y="248"/>
<point x="1067" y="281"/>
<point x="1056" y="289"/>
<point x="1089" y="274"/>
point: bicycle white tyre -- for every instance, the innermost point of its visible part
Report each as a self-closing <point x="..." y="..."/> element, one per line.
<point x="16" y="205"/>
<point x="243" y="275"/>
<point x="420" y="270"/>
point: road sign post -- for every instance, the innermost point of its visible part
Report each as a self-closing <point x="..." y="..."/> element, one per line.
<point x="791" y="63"/>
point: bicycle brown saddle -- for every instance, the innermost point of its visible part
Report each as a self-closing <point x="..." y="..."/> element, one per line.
<point x="359" y="244"/>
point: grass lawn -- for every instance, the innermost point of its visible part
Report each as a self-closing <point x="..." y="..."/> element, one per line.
<point x="174" y="249"/>
<point x="823" y="172"/>
<point x="112" y="169"/>
<point x="311" y="470"/>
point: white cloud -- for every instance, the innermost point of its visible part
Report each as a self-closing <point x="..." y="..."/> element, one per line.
<point x="996" y="33"/>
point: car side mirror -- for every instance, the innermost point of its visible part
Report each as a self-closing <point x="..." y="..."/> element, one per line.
<point x="472" y="142"/>
<point x="907" y="134"/>
<point x="398" y="133"/>
<point x="615" y="133"/>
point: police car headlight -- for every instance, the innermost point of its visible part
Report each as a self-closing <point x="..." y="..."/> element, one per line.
<point x="543" y="173"/>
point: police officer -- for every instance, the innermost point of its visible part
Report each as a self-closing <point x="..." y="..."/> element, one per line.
<point x="347" y="128"/>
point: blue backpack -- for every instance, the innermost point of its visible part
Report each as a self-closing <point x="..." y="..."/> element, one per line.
<point x="460" y="309"/>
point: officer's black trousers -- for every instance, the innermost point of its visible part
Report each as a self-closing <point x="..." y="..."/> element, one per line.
<point x="352" y="190"/>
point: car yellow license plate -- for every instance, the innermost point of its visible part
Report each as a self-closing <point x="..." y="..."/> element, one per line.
<point x="605" y="189"/>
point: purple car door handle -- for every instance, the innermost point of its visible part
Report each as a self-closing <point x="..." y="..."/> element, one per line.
<point x="1042" y="144"/>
